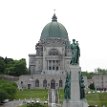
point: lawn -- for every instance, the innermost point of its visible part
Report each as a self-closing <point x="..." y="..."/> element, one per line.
<point x="32" y="93"/>
<point x="92" y="98"/>
<point x="97" y="99"/>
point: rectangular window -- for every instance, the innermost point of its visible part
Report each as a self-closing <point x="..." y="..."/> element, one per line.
<point x="49" y="68"/>
<point x="53" y="68"/>
<point x="57" y="68"/>
<point x="49" y="61"/>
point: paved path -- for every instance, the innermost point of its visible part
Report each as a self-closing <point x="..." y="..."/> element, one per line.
<point x="14" y="103"/>
<point x="53" y="98"/>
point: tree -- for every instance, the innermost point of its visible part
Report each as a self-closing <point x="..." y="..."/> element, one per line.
<point x="2" y="65"/>
<point x="92" y="86"/>
<point x="7" y="90"/>
<point x="3" y="95"/>
<point x="101" y="71"/>
<point x="89" y="75"/>
<point x="8" y="60"/>
<point x="15" y="67"/>
<point x="20" y="67"/>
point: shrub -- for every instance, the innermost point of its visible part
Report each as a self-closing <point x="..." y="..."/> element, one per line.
<point x="7" y="90"/>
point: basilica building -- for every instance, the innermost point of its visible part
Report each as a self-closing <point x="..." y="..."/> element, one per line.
<point x="49" y="64"/>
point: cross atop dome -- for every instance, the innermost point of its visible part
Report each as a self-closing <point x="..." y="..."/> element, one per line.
<point x="54" y="18"/>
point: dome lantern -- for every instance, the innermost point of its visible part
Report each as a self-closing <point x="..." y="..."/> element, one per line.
<point x="54" y="18"/>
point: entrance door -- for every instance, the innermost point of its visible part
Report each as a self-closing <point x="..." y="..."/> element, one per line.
<point x="29" y="86"/>
<point x="52" y="84"/>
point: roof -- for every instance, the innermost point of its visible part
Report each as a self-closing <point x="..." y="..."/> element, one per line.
<point x="54" y="29"/>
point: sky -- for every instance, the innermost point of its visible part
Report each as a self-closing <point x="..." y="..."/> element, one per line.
<point x="22" y="21"/>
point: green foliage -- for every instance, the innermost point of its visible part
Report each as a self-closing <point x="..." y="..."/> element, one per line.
<point x="35" y="105"/>
<point x="97" y="71"/>
<point x="101" y="71"/>
<point x="99" y="99"/>
<point x="18" y="68"/>
<point x="92" y="98"/>
<point x="2" y="65"/>
<point x="7" y="90"/>
<point x="88" y="74"/>
<point x="3" y="95"/>
<point x="92" y="86"/>
<point x="13" y="67"/>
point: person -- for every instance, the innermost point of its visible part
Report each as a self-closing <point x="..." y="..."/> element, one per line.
<point x="67" y="87"/>
<point x="75" y="50"/>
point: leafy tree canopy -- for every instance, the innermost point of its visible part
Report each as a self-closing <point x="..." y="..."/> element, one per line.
<point x="101" y="71"/>
<point x="13" y="67"/>
<point x="97" y="71"/>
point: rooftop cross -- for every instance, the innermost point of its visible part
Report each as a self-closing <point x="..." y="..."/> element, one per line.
<point x="54" y="11"/>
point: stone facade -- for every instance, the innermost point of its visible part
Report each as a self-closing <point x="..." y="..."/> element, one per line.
<point x="52" y="57"/>
<point x="41" y="81"/>
<point x="100" y="82"/>
<point x="50" y="62"/>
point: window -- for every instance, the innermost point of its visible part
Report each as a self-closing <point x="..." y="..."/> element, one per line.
<point x="53" y="52"/>
<point x="37" y="83"/>
<point x="53" y="68"/>
<point x="57" y="68"/>
<point x="29" y="86"/>
<point x="60" y="83"/>
<point x="53" y="65"/>
<point x="45" y="83"/>
<point x="49" y="68"/>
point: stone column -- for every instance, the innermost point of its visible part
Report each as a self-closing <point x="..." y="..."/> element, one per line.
<point x="75" y="89"/>
<point x="75" y="100"/>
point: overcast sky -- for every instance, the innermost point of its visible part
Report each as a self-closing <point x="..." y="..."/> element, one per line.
<point x="22" y="21"/>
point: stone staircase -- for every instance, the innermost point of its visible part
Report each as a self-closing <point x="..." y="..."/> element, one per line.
<point x="53" y="98"/>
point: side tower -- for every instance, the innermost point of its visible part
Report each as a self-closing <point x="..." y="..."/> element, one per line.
<point x="53" y="52"/>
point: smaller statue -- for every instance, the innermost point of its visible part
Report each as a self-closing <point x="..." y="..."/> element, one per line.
<point x="67" y="88"/>
<point x="82" y="86"/>
<point x="75" y="50"/>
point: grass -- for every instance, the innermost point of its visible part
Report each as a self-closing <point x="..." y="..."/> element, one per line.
<point x="33" y="106"/>
<point x="37" y="105"/>
<point x="32" y="93"/>
<point x="97" y="99"/>
<point x="92" y="98"/>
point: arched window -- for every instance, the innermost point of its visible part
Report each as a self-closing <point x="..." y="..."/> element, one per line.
<point x="60" y="83"/>
<point x="45" y="83"/>
<point x="53" y="84"/>
<point x="53" y="52"/>
<point x="37" y="83"/>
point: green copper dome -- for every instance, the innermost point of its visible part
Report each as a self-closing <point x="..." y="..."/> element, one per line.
<point x="54" y="29"/>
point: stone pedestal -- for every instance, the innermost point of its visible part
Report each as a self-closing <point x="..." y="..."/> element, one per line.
<point x="75" y="100"/>
<point x="81" y="103"/>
